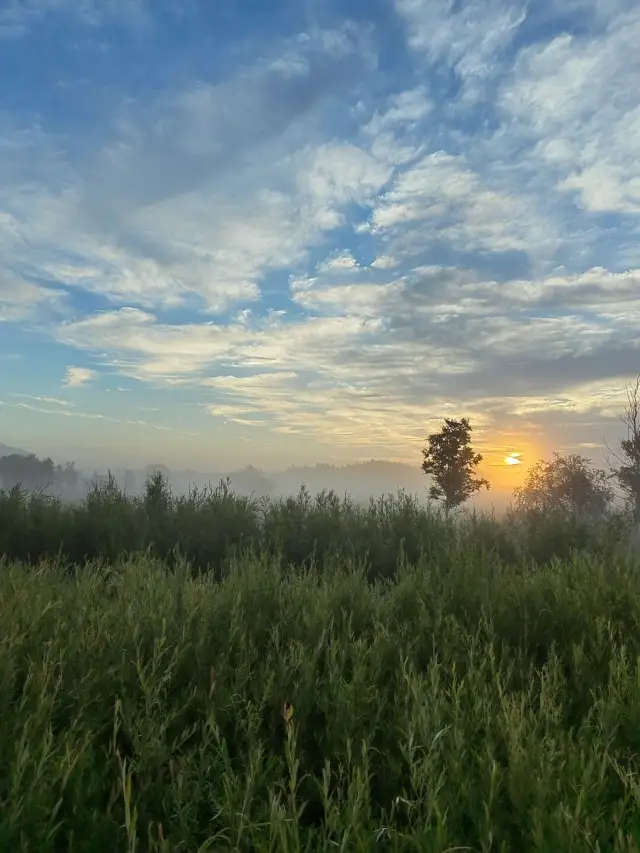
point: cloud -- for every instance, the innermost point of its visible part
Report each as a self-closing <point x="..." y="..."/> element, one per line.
<point x="54" y="401"/>
<point x="441" y="191"/>
<point x="596" y="290"/>
<point x="189" y="136"/>
<point x="198" y="194"/>
<point x="469" y="38"/>
<point x="574" y="101"/>
<point x="383" y="360"/>
<point x="384" y="262"/>
<point x="331" y="239"/>
<point x="78" y="376"/>
<point x="407" y="107"/>
<point x="395" y="132"/>
<point x="338" y="263"/>
<point x="96" y="416"/>
<point x="361" y="300"/>
<point x="141" y="348"/>
<point x="24" y="300"/>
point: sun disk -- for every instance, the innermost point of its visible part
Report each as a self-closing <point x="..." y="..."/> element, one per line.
<point x="512" y="459"/>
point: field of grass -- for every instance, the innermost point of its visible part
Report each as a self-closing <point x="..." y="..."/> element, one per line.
<point x="469" y="698"/>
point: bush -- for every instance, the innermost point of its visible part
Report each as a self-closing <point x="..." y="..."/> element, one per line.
<point x="212" y="527"/>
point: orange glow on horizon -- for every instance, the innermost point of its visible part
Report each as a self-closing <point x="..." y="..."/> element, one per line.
<point x="506" y="465"/>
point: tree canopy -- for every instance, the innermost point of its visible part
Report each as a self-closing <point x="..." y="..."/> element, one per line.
<point x="567" y="485"/>
<point x="450" y="460"/>
<point x="33" y="473"/>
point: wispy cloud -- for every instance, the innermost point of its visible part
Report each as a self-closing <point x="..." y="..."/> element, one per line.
<point x="470" y="39"/>
<point x="98" y="416"/>
<point x="54" y="401"/>
<point x="23" y="300"/>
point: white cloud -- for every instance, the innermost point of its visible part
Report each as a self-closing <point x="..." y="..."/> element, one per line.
<point x="340" y="173"/>
<point x="77" y="376"/>
<point x="396" y="132"/>
<point x="384" y="262"/>
<point x="380" y="361"/>
<point x="23" y="300"/>
<point x="408" y="107"/>
<point x="339" y="262"/>
<point x="198" y="194"/>
<point x="595" y="290"/>
<point x="54" y="401"/>
<point x="256" y="381"/>
<point x="575" y="100"/>
<point x="362" y="300"/>
<point x="470" y="39"/>
<point x="141" y="348"/>
<point x="443" y="192"/>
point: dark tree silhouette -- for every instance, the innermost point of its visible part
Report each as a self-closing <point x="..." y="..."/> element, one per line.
<point x="33" y="473"/>
<point x="449" y="459"/>
<point x="565" y="485"/>
<point x="27" y="471"/>
<point x="626" y="469"/>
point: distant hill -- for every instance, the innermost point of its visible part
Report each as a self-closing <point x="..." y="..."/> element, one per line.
<point x="5" y="450"/>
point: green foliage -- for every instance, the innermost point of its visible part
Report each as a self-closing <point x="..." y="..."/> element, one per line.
<point x="212" y="527"/>
<point x="449" y="459"/>
<point x="469" y="705"/>
<point x="566" y="487"/>
<point x="628" y="476"/>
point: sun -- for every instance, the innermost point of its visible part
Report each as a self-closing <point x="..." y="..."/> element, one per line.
<point x="513" y="459"/>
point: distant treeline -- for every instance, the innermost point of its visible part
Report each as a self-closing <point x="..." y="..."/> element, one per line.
<point x="33" y="473"/>
<point x="360" y="480"/>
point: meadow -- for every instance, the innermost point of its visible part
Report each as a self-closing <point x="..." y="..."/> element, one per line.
<point x="214" y="673"/>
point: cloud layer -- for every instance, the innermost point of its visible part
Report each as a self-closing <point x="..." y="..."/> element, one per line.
<point x="342" y="231"/>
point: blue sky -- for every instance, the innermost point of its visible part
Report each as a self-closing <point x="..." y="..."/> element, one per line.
<point x="308" y="231"/>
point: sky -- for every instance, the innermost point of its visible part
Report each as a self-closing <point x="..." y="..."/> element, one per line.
<point x="309" y="230"/>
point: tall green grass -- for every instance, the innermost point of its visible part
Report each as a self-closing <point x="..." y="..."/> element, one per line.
<point x="485" y="707"/>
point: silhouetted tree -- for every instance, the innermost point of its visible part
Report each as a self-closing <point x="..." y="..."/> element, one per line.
<point x="66" y="476"/>
<point x="449" y="459"/>
<point x="251" y="480"/>
<point x="26" y="471"/>
<point x="626" y="469"/>
<point x="565" y="485"/>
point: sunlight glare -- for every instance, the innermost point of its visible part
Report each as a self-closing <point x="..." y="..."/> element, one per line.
<point x="513" y="459"/>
